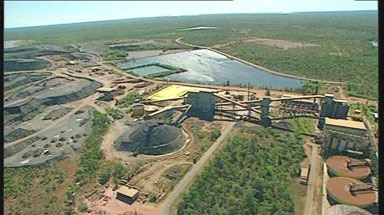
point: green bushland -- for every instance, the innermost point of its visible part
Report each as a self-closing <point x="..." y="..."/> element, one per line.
<point x="83" y="207"/>
<point x="203" y="137"/>
<point x="41" y="180"/>
<point x="114" y="55"/>
<point x="251" y="174"/>
<point x="15" y="180"/>
<point x="147" y="46"/>
<point x="343" y="51"/>
<point x="303" y="125"/>
<point x="91" y="154"/>
<point x="174" y="174"/>
<point x="115" y="113"/>
<point x="215" y="133"/>
<point x="128" y="100"/>
<point x="367" y="110"/>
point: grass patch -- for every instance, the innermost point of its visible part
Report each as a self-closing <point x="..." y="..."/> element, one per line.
<point x="115" y="113"/>
<point x="303" y="125"/>
<point x="114" y="55"/>
<point x="174" y="174"/>
<point x="299" y="194"/>
<point x="128" y="100"/>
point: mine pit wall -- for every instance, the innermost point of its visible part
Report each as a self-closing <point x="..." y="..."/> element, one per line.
<point x="34" y="103"/>
<point x="83" y="93"/>
<point x="17" y="65"/>
<point x="31" y="109"/>
<point x="23" y="112"/>
<point x="56" y="154"/>
<point x="9" y="151"/>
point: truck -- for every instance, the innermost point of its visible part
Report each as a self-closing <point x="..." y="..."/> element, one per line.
<point x="304" y="175"/>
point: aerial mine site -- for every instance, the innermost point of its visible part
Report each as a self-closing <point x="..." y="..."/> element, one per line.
<point x="208" y="114"/>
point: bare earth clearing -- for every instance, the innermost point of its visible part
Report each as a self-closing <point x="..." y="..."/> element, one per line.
<point x="282" y="44"/>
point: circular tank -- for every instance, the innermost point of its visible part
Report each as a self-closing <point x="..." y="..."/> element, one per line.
<point x="137" y="110"/>
<point x="337" y="165"/>
<point x="346" y="210"/>
<point x="338" y="189"/>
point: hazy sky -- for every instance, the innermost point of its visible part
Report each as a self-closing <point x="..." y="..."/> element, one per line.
<point x="34" y="13"/>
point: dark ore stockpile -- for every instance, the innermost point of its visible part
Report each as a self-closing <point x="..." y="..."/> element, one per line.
<point x="151" y="138"/>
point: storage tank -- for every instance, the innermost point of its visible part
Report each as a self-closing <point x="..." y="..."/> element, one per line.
<point x="348" y="167"/>
<point x="137" y="110"/>
<point x="346" y="210"/>
<point x="351" y="191"/>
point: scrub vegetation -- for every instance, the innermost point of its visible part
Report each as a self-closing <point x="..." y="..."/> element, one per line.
<point x="128" y="100"/>
<point x="342" y="49"/>
<point x="263" y="186"/>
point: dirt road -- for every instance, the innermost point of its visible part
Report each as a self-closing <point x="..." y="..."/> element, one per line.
<point x="313" y="176"/>
<point x="187" y="179"/>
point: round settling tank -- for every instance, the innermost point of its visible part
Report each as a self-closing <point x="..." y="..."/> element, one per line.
<point x="346" y="210"/>
<point x="350" y="191"/>
<point x="137" y="110"/>
<point x="344" y="166"/>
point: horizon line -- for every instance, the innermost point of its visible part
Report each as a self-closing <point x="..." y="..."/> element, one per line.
<point x="149" y="17"/>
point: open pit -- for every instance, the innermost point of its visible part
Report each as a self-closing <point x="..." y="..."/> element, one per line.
<point x="25" y="64"/>
<point x="58" y="142"/>
<point x="39" y="98"/>
<point x="151" y="138"/>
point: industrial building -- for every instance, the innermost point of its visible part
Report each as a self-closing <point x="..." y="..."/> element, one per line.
<point x="202" y="105"/>
<point x="107" y="93"/>
<point x="342" y="135"/>
<point x="346" y="126"/>
<point x="127" y="195"/>
<point x="332" y="108"/>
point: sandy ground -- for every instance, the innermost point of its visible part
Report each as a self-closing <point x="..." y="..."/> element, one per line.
<point x="325" y="203"/>
<point x="115" y="131"/>
<point x="110" y="205"/>
<point x="282" y="44"/>
<point x="15" y="43"/>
